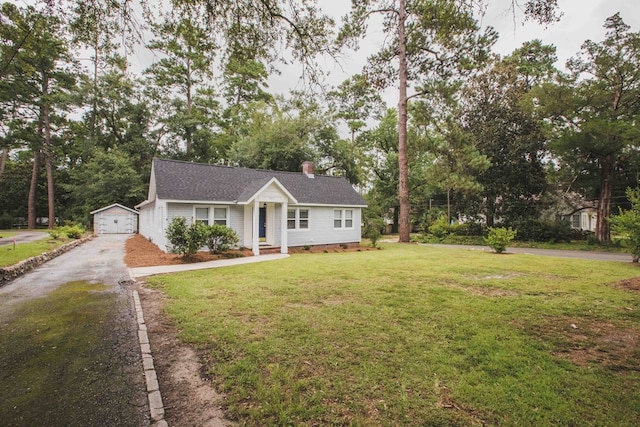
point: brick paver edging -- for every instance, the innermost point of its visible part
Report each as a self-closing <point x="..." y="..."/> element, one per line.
<point x="14" y="271"/>
<point x="156" y="406"/>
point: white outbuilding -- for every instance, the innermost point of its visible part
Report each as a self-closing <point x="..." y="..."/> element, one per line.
<point x="115" y="219"/>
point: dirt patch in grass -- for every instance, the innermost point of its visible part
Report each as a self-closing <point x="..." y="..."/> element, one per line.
<point x="187" y="393"/>
<point x="632" y="284"/>
<point x="585" y="343"/>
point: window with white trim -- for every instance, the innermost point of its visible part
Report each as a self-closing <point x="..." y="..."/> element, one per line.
<point x="291" y="219"/>
<point x="215" y="215"/>
<point x="348" y="218"/>
<point x="220" y="216"/>
<point x="337" y="218"/>
<point x="303" y="219"/>
<point x="343" y="218"/>
<point x="202" y="215"/>
<point x="297" y="219"/>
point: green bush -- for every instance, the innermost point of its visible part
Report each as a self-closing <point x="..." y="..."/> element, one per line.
<point x="55" y="233"/>
<point x="71" y="231"/>
<point x="499" y="238"/>
<point x="186" y="240"/>
<point x="627" y="223"/>
<point x="220" y="238"/>
<point x="441" y="228"/>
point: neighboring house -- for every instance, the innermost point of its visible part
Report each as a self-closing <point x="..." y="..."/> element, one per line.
<point x="265" y="208"/>
<point x="115" y="219"/>
<point x="581" y="213"/>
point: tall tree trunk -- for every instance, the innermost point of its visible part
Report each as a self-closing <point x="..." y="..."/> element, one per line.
<point x="603" y="230"/>
<point x="3" y="161"/>
<point x="33" y="189"/>
<point x="403" y="163"/>
<point x="188" y="131"/>
<point x="45" y="134"/>
<point x="48" y="149"/>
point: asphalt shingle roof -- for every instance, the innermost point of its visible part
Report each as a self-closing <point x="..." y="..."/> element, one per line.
<point x="177" y="180"/>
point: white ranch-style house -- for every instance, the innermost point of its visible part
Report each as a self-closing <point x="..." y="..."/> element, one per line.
<point x="266" y="208"/>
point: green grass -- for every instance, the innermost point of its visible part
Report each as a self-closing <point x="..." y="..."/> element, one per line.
<point x="10" y="255"/>
<point x="58" y="362"/>
<point x="413" y="335"/>
<point x="576" y="245"/>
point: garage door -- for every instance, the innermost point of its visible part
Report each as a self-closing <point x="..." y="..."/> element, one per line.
<point x="114" y="223"/>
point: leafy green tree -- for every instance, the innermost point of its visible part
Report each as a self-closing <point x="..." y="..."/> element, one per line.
<point x="36" y="61"/>
<point x="431" y="41"/>
<point x="595" y="111"/>
<point x="509" y="134"/>
<point x="180" y="79"/>
<point x="355" y="101"/>
<point x="108" y="177"/>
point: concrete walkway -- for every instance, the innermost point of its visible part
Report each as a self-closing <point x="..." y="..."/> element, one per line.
<point x="163" y="269"/>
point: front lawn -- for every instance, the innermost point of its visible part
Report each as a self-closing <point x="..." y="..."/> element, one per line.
<point x="10" y="255"/>
<point x="414" y="335"/>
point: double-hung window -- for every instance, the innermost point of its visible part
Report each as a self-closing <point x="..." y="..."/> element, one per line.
<point x="343" y="218"/>
<point x="297" y="219"/>
<point x="220" y="216"/>
<point x="202" y="216"/>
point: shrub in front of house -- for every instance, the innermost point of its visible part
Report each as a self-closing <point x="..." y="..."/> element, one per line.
<point x="185" y="239"/>
<point x="498" y="238"/>
<point x="220" y="238"/>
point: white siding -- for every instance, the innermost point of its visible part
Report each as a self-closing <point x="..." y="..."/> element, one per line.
<point x="236" y="221"/>
<point x="321" y="231"/>
<point x="153" y="223"/>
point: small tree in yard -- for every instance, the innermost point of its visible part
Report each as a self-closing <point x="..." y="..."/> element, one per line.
<point x="186" y="240"/>
<point x="373" y="229"/>
<point x="221" y="238"/>
<point x="627" y="223"/>
<point x="499" y="238"/>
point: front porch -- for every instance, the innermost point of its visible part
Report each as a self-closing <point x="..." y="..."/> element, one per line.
<point x="265" y="219"/>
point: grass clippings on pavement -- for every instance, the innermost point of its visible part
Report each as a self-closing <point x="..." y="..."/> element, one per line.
<point x="415" y="335"/>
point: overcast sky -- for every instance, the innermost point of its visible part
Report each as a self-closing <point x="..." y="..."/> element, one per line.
<point x="582" y="20"/>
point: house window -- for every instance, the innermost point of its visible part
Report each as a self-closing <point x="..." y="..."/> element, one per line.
<point x="343" y="218"/>
<point x="291" y="219"/>
<point x="337" y="218"/>
<point x="304" y="218"/>
<point x="202" y="216"/>
<point x="220" y="216"/>
<point x="575" y="220"/>
<point x="348" y="218"/>
<point x="297" y="219"/>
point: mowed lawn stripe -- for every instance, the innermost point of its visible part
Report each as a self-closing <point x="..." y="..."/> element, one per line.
<point x="413" y="335"/>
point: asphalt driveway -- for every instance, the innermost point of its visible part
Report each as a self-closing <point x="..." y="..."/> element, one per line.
<point x="85" y="287"/>
<point x="23" y="237"/>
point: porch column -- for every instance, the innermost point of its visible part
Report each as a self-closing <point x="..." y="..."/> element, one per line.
<point x="284" y="244"/>
<point x="255" y="227"/>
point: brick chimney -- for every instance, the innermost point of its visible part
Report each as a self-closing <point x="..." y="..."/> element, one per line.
<point x="307" y="169"/>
